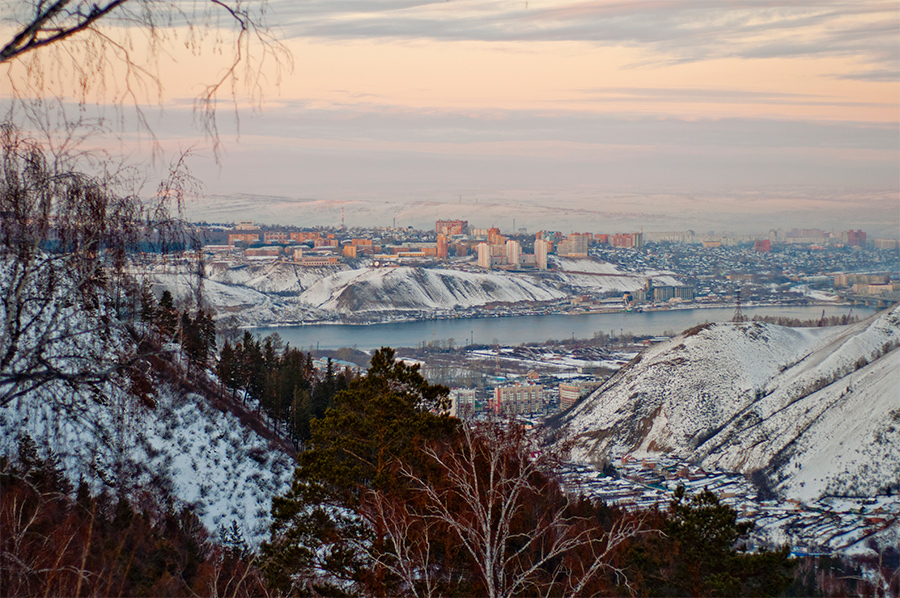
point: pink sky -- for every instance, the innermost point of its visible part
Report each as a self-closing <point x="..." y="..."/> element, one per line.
<point x="585" y="102"/>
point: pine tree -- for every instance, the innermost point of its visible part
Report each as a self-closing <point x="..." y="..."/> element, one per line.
<point x="188" y="337"/>
<point x="253" y="368"/>
<point x="149" y="305"/>
<point x="207" y="331"/>
<point x="225" y="368"/>
<point x="699" y="553"/>
<point x="300" y="416"/>
<point x="380" y="419"/>
<point x="390" y="498"/>
<point x="167" y="316"/>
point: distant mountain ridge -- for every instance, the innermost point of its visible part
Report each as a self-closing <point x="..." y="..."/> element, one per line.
<point x="817" y="410"/>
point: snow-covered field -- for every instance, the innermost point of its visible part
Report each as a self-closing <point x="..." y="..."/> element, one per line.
<point x="816" y="409"/>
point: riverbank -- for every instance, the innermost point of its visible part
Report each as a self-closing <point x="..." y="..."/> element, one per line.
<point x="512" y="312"/>
<point x="516" y="329"/>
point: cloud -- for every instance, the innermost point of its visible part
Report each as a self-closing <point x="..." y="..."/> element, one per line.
<point x="685" y="30"/>
<point x="389" y="153"/>
<point x="871" y="75"/>
<point x="449" y="128"/>
<point x="720" y="96"/>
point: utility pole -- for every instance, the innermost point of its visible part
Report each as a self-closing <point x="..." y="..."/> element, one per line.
<point x="738" y="314"/>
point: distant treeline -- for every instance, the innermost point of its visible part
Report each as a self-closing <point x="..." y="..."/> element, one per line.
<point x="812" y="323"/>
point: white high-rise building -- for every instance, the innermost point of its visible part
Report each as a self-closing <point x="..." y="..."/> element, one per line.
<point x="484" y="255"/>
<point x="513" y="252"/>
<point x="541" y="248"/>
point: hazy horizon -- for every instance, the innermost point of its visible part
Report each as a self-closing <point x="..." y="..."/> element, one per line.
<point x="736" y="213"/>
<point x="740" y="116"/>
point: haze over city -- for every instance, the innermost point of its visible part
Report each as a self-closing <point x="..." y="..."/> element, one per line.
<point x="570" y="115"/>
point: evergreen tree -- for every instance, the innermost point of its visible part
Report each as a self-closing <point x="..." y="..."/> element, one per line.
<point x="291" y="381"/>
<point x="189" y="341"/>
<point x="207" y="331"/>
<point x="270" y="357"/>
<point x="198" y="337"/>
<point x="226" y="367"/>
<point x="253" y="368"/>
<point x="149" y="305"/>
<point x="390" y="498"/>
<point x="699" y="553"/>
<point x="268" y="398"/>
<point x="324" y="392"/>
<point x="379" y="420"/>
<point x="300" y="416"/>
<point x="167" y="316"/>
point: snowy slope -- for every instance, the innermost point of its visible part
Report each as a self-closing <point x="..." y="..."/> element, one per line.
<point x="271" y="277"/>
<point x="593" y="276"/>
<point x="279" y="292"/>
<point x="816" y="409"/>
<point x="589" y="265"/>
<point x="860" y="417"/>
<point x="181" y="445"/>
<point x="139" y="429"/>
<point x="377" y="289"/>
<point x="226" y="296"/>
<point x="170" y="443"/>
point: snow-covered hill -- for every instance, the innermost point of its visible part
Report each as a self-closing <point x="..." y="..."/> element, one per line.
<point x="816" y="409"/>
<point x="380" y="289"/>
<point x="120" y="412"/>
<point x="586" y="275"/>
<point x="267" y="293"/>
<point x="181" y="447"/>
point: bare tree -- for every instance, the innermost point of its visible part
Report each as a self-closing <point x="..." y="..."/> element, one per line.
<point x="68" y="243"/>
<point x="492" y="481"/>
<point x="409" y="537"/>
<point x="108" y="51"/>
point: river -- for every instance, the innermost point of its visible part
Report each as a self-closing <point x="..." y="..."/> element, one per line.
<point x="516" y="330"/>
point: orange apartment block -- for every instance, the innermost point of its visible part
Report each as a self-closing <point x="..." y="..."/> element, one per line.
<point x="304" y="236"/>
<point x="275" y="237"/>
<point x="246" y="238"/>
<point x="451" y="227"/>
